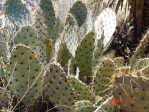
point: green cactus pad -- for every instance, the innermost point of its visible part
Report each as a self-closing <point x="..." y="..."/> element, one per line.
<point x="2" y="68"/>
<point x="45" y="44"/>
<point x="51" y="21"/>
<point x="63" y="55"/>
<point x="98" y="52"/>
<point x="23" y="70"/>
<point x="40" y="26"/>
<point x="103" y="78"/>
<point x="83" y="92"/>
<point x="123" y="70"/>
<point x="48" y="12"/>
<point x="49" y="49"/>
<point x="17" y="12"/>
<point x="110" y="54"/>
<point x="141" y="64"/>
<point x="84" y="55"/>
<point x="58" y="89"/>
<point x="144" y="72"/>
<point x="3" y="45"/>
<point x="72" y="68"/>
<point x="28" y="37"/>
<point x="131" y="93"/>
<point x="71" y="34"/>
<point x="107" y="106"/>
<point x="79" y="11"/>
<point x="119" y="62"/>
<point x="10" y="30"/>
<point x="46" y="50"/>
<point x="83" y="106"/>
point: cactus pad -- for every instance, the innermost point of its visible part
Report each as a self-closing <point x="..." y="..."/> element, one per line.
<point x="141" y="64"/>
<point x="22" y="72"/>
<point x="51" y="21"/>
<point x="131" y="93"/>
<point x="3" y="45"/>
<point x="17" y="12"/>
<point x="27" y="37"/>
<point x="45" y="44"/>
<point x="98" y="52"/>
<point x="63" y="55"/>
<point x="79" y="11"/>
<point x="83" y="92"/>
<point x="119" y="62"/>
<point x="40" y="26"/>
<point x="123" y="70"/>
<point x="106" y="26"/>
<point x="3" y="67"/>
<point x="42" y="47"/>
<point x="106" y="106"/>
<point x="84" y="55"/>
<point x="103" y="77"/>
<point x="58" y="89"/>
<point x="71" y="34"/>
<point x="144" y="72"/>
<point x="49" y="49"/>
<point x="83" y="106"/>
<point x="72" y="68"/>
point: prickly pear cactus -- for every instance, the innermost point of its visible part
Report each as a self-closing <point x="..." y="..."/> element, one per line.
<point x="63" y="55"/>
<point x="45" y="42"/>
<point x="142" y="67"/>
<point x="28" y="37"/>
<point x="110" y="54"/>
<point x="79" y="11"/>
<point x="1" y="69"/>
<point x="144" y="72"/>
<point x="10" y="31"/>
<point x="51" y="21"/>
<point x="83" y="92"/>
<point x="119" y="62"/>
<point x="3" y="45"/>
<point x="141" y="64"/>
<point x="71" y="34"/>
<point x="49" y="49"/>
<point x="84" y="106"/>
<point x="17" y="12"/>
<point x="45" y="50"/>
<point x="72" y="68"/>
<point x="139" y="52"/>
<point x="106" y="106"/>
<point x="40" y="26"/>
<point x="22" y="72"/>
<point x="84" y="55"/>
<point x="58" y="89"/>
<point x="105" y="26"/>
<point x="103" y="78"/>
<point x="122" y="70"/>
<point x="98" y="52"/>
<point x="131" y="93"/>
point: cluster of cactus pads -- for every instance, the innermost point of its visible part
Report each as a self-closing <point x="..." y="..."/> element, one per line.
<point x="49" y="61"/>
